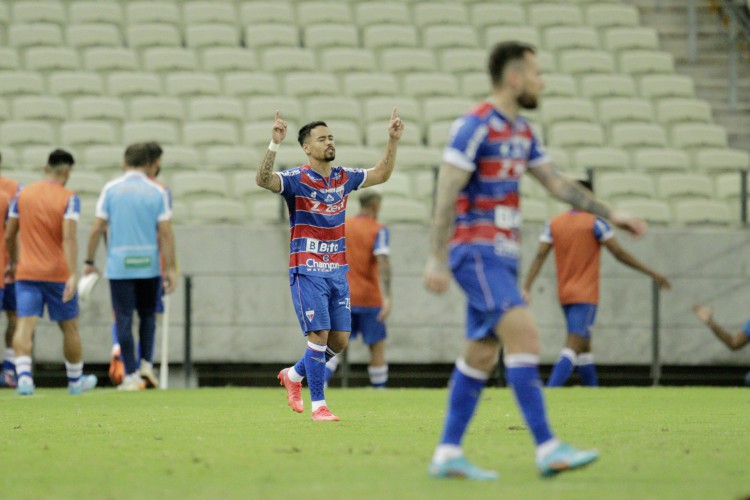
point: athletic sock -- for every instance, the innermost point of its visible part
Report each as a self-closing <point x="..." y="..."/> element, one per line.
<point x="23" y="367"/>
<point x="522" y="373"/>
<point x="587" y="370"/>
<point x="378" y="376"/>
<point x="331" y="365"/>
<point x="563" y="368"/>
<point x="8" y="360"/>
<point x="74" y="371"/>
<point x="115" y="340"/>
<point x="466" y="386"/>
<point x="293" y="374"/>
<point x="315" y="367"/>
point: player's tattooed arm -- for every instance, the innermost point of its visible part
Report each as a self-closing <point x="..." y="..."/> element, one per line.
<point x="568" y="191"/>
<point x="265" y="177"/>
<point x="450" y="182"/>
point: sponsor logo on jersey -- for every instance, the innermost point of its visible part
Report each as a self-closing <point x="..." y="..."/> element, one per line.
<point x="317" y="246"/>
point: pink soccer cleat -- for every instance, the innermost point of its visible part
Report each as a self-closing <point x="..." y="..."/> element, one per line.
<point x="293" y="391"/>
<point x="323" y="414"/>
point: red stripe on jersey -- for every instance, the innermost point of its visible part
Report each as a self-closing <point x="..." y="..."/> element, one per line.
<point x="507" y="168"/>
<point x="318" y="207"/>
<point x="463" y="205"/>
<point x="319" y="233"/>
<point x="301" y="258"/>
<point x="482" y="110"/>
<point x="477" y="232"/>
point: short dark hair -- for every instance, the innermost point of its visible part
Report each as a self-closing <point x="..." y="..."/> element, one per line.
<point x="154" y="150"/>
<point x="60" y="157"/>
<point x="504" y="53"/>
<point x="304" y="132"/>
<point x="369" y="197"/>
<point x="586" y="184"/>
<point x="137" y="155"/>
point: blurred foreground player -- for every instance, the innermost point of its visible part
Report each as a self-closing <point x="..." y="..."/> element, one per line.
<point x="316" y="196"/>
<point x="475" y="235"/>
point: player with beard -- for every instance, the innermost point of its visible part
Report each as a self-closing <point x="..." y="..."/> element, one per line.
<point x="316" y="196"/>
<point x="476" y="236"/>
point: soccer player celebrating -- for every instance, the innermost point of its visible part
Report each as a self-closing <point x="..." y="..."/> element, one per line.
<point x="8" y="190"/>
<point x="577" y="238"/>
<point x="316" y="196"/>
<point x="134" y="211"/>
<point x="475" y="235"/>
<point x="367" y="253"/>
<point x="45" y="215"/>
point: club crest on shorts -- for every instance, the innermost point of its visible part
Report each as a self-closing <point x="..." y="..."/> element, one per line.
<point x="310" y="315"/>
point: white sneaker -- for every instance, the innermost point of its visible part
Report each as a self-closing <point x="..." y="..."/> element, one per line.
<point x="147" y="374"/>
<point x="132" y="382"/>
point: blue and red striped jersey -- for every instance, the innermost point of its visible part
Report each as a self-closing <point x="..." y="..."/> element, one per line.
<point x="317" y="210"/>
<point x="497" y="152"/>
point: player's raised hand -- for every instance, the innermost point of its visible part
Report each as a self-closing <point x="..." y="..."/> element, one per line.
<point x="437" y="277"/>
<point x="628" y="222"/>
<point x="396" y="125"/>
<point x="278" y="132"/>
<point x="703" y="313"/>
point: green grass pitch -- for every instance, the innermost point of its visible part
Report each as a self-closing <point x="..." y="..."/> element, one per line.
<point x="246" y="443"/>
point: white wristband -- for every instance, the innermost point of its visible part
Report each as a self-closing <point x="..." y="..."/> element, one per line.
<point x="272" y="146"/>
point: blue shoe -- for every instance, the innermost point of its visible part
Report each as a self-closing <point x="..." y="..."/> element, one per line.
<point x="463" y="469"/>
<point x="85" y="383"/>
<point x="25" y="386"/>
<point x="563" y="458"/>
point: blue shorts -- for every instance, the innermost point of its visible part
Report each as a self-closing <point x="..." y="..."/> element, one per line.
<point x="32" y="296"/>
<point x="9" y="297"/>
<point x="490" y="285"/>
<point x="580" y="318"/>
<point x="160" y="297"/>
<point x="322" y="303"/>
<point x="365" y="320"/>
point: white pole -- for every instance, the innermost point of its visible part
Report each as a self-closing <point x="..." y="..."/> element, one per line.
<point x="164" y="368"/>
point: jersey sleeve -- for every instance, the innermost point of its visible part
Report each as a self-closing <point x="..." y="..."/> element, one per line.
<point x="746" y="328"/>
<point x="102" y="206"/>
<point x="546" y="236"/>
<point x="13" y="208"/>
<point x="357" y="177"/>
<point x="602" y="230"/>
<point x="73" y="208"/>
<point x="165" y="208"/>
<point x="290" y="181"/>
<point x="466" y="135"/>
<point x="537" y="153"/>
<point x="382" y="242"/>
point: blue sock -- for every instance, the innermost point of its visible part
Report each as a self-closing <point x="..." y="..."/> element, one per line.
<point x="315" y="368"/>
<point x="522" y="373"/>
<point x="587" y="370"/>
<point x="563" y="368"/>
<point x="114" y="333"/>
<point x="299" y="366"/>
<point x="466" y="386"/>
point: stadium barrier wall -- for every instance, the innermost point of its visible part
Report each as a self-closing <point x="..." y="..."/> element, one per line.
<point x="242" y="309"/>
